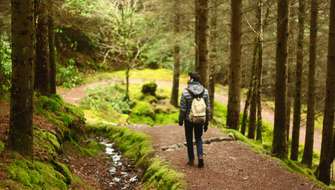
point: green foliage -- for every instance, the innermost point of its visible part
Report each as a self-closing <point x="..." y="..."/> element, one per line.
<point x="63" y="169"/>
<point x="160" y="176"/>
<point x="110" y="98"/>
<point x="5" y="64"/>
<point x="2" y="146"/>
<point x="36" y="175"/>
<point x="109" y="104"/>
<point x="91" y="148"/>
<point x="138" y="147"/>
<point x="66" y="117"/>
<point x="68" y="76"/>
<point x="46" y="143"/>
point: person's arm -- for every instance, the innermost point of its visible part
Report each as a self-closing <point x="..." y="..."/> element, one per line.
<point x="208" y="106"/>
<point x="183" y="108"/>
<point x="208" y="110"/>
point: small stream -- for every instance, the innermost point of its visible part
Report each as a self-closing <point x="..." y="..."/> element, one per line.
<point x="123" y="174"/>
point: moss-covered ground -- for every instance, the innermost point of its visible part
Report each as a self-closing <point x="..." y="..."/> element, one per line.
<point x="109" y="104"/>
<point x="44" y="171"/>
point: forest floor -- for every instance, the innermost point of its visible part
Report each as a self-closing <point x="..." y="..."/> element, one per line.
<point x="228" y="164"/>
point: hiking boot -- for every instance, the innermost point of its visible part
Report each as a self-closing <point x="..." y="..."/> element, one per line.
<point x="201" y="163"/>
<point x="190" y="163"/>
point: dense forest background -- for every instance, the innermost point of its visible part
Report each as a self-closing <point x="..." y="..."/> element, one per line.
<point x="277" y="53"/>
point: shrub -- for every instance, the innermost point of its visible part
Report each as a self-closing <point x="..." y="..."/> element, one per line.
<point x="68" y="76"/>
<point x="149" y="89"/>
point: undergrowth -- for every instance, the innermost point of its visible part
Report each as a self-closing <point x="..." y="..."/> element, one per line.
<point x="109" y="104"/>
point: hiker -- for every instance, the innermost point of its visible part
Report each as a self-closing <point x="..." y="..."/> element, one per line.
<point x="194" y="114"/>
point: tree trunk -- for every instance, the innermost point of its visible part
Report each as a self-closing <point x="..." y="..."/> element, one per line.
<point x="42" y="50"/>
<point x="213" y="52"/>
<point x="249" y="94"/>
<point x="259" y="70"/>
<point x="127" y="97"/>
<point x="196" y="35"/>
<point x="279" y="144"/>
<point x="20" y="137"/>
<point x="253" y="110"/>
<point x="288" y="114"/>
<point x="255" y="77"/>
<point x="233" y="113"/>
<point x="176" y="71"/>
<point x="298" y="82"/>
<point x="202" y="15"/>
<point x="52" y="55"/>
<point x="309" y="138"/>
<point x="328" y="122"/>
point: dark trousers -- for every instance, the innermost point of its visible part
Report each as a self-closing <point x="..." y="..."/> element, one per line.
<point x="198" y="131"/>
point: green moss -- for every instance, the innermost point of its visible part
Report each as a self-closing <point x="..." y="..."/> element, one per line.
<point x="2" y="146"/>
<point x="36" y="175"/>
<point x="166" y="119"/>
<point x="46" y="143"/>
<point x="143" y="109"/>
<point x="53" y="104"/>
<point x="12" y="185"/>
<point x="62" y="168"/>
<point x="90" y="148"/>
<point x="160" y="176"/>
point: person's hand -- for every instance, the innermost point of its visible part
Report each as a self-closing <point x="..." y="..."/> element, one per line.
<point x="206" y="127"/>
<point x="180" y="124"/>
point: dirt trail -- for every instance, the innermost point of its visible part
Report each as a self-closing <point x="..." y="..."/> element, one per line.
<point x="228" y="164"/>
<point x="76" y="94"/>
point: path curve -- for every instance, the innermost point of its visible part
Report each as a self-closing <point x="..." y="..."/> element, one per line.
<point x="228" y="165"/>
<point x="74" y="96"/>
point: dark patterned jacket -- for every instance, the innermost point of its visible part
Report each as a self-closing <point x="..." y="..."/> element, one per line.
<point x="186" y="100"/>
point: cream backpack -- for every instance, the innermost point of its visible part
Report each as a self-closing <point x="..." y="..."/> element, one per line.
<point x="198" y="109"/>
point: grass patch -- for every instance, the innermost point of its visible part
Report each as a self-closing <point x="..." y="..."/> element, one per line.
<point x="146" y="74"/>
<point x="138" y="147"/>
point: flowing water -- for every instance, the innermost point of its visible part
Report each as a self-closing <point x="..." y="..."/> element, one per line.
<point x="123" y="174"/>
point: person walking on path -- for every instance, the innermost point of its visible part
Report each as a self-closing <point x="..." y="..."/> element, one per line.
<point x="194" y="115"/>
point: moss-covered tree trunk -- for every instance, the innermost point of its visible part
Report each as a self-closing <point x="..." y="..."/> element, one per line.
<point x="42" y="79"/>
<point x="298" y="82"/>
<point x="176" y="70"/>
<point x="307" y="157"/>
<point x="279" y="144"/>
<point x="52" y="53"/>
<point x="234" y="96"/>
<point x="20" y="137"/>
<point x="328" y="122"/>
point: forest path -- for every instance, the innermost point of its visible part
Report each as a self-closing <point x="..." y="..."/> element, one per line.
<point x="74" y="96"/>
<point x="228" y="164"/>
